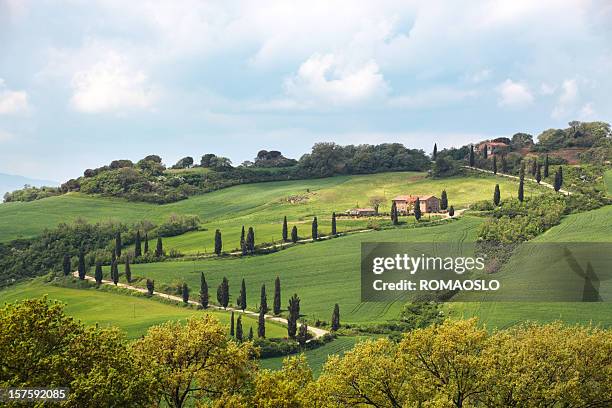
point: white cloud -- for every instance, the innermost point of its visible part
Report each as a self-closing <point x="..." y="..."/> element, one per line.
<point x="587" y="111"/>
<point x="327" y="79"/>
<point x="12" y="102"/>
<point x="514" y="94"/>
<point x="568" y="99"/>
<point x="547" y="89"/>
<point x="111" y="84"/>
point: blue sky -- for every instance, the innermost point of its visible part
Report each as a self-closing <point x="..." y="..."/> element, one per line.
<point x="85" y="82"/>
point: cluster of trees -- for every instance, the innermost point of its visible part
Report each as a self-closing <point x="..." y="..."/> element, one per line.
<point x="31" y="193"/>
<point x="453" y="364"/>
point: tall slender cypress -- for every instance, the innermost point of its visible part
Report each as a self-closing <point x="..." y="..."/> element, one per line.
<point x="159" y="249"/>
<point x="224" y="301"/>
<point x="443" y="200"/>
<point x="285" y="230"/>
<point x="417" y="209"/>
<point x="504" y="164"/>
<point x="558" y="179"/>
<point x="496" y="195"/>
<point x="394" y="217"/>
<point x="115" y="271"/>
<point x="335" y="320"/>
<point x="146" y="244"/>
<point x="263" y="299"/>
<point x="251" y="240"/>
<point x="250" y="338"/>
<point x="137" y="245"/>
<point x="232" y="324"/>
<point x="277" y="296"/>
<point x="485" y="152"/>
<point x="435" y="151"/>
<point x="67" y="265"/>
<point x="302" y="335"/>
<point x="118" y="244"/>
<point x="315" y="229"/>
<point x="218" y="242"/>
<point x="494" y="164"/>
<point x="242" y="238"/>
<point x="242" y="298"/>
<point x="546" y="166"/>
<point x="333" y="224"/>
<point x="203" y="291"/>
<point x="472" y="160"/>
<point x="261" y="324"/>
<point x="294" y="234"/>
<point x="81" y="267"/>
<point x="239" y="335"/>
<point x="128" y="270"/>
<point x="521" y="189"/>
<point x="522" y="170"/>
<point x="534" y="167"/>
<point x="185" y="291"/>
<point x="98" y="275"/>
<point x="294" y="315"/>
<point x="539" y="174"/>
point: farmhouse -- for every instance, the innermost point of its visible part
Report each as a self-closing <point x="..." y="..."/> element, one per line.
<point x="428" y="203"/>
<point x="361" y="212"/>
<point x="492" y="147"/>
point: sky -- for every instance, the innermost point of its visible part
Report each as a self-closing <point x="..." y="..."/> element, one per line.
<point x="86" y="82"/>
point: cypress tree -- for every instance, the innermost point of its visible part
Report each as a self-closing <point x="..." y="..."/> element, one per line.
<point x="98" y="273"/>
<point x="521" y="189"/>
<point x="417" y="209"/>
<point x="394" y="217"/>
<point x="242" y="298"/>
<point x="443" y="200"/>
<point x="128" y="270"/>
<point x="435" y="151"/>
<point x="335" y="320"/>
<point x="224" y="293"/>
<point x="451" y="211"/>
<point x="263" y="299"/>
<point x="118" y="244"/>
<point x="294" y="234"/>
<point x="218" y="242"/>
<point x="146" y="244"/>
<point x="159" y="249"/>
<point x="203" y="291"/>
<point x="261" y="324"/>
<point x="294" y="315"/>
<point x="522" y="170"/>
<point x="185" y="293"/>
<point x="150" y="286"/>
<point x="496" y="195"/>
<point x="302" y="335"/>
<point x="539" y="174"/>
<point x="250" y="338"/>
<point x="472" y="160"/>
<point x="67" y="266"/>
<point x="277" y="296"/>
<point x="81" y="267"/>
<point x="232" y="324"/>
<point x="285" y="230"/>
<point x="504" y="164"/>
<point x="315" y="229"/>
<point x="333" y="224"/>
<point x="494" y="164"/>
<point x="242" y="238"/>
<point x="546" y="166"/>
<point x="485" y="152"/>
<point x="137" y="245"/>
<point x="239" y="336"/>
<point x="115" y="271"/>
<point x="251" y="240"/>
<point x="558" y="179"/>
<point x="534" y="167"/>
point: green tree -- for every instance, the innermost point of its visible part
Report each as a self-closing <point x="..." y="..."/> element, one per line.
<point x="218" y="243"/>
<point x="223" y="293"/>
<point x="250" y="240"/>
<point x="546" y="166"/>
<point x="276" y="308"/>
<point x="115" y="271"/>
<point x="294" y="315"/>
<point x="451" y="211"/>
<point x="394" y="216"/>
<point x="118" y="244"/>
<point x="315" y="229"/>
<point x="472" y="159"/>
<point x="128" y="270"/>
<point x="334" y="231"/>
<point x="504" y="164"/>
<point x="263" y="299"/>
<point x="185" y="293"/>
<point x="485" y="152"/>
<point x="137" y="245"/>
<point x="335" y="319"/>
<point x="150" y="286"/>
<point x="195" y="360"/>
<point x="558" y="179"/>
<point x="67" y="265"/>
<point x="443" y="200"/>
<point x="522" y="170"/>
<point x="250" y="336"/>
<point x="159" y="249"/>
<point x="203" y="291"/>
<point x="81" y="268"/>
<point x="521" y="189"/>
<point x="539" y="174"/>
<point x="496" y="195"/>
<point x="435" y="151"/>
<point x="294" y="234"/>
<point x="285" y="230"/>
<point x="242" y="240"/>
<point x="261" y="324"/>
<point x="98" y="273"/>
<point x="239" y="334"/>
<point x="534" y="167"/>
<point x="494" y="164"/>
<point x="302" y="334"/>
<point x="417" y="209"/>
<point x="146" y="243"/>
<point x="242" y="297"/>
<point x="232" y="324"/>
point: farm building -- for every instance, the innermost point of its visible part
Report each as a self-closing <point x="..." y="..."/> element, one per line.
<point x="361" y="212"/>
<point x="492" y="147"/>
<point x="428" y="203"/>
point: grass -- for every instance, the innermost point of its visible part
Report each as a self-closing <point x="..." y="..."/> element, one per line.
<point x="608" y="181"/>
<point x="321" y="273"/>
<point x="590" y="226"/>
<point x="261" y="205"/>
<point x="317" y="357"/>
<point x="132" y="314"/>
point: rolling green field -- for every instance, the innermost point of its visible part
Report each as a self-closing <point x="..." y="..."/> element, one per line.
<point x="132" y="314"/>
<point x="321" y="273"/>
<point x="590" y="226"/>
<point x="260" y="205"/>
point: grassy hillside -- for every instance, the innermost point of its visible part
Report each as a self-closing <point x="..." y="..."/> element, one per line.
<point x="322" y="273"/>
<point x="132" y="314"/>
<point x="260" y="205"/>
<point x="590" y="226"/>
<point x="608" y="181"/>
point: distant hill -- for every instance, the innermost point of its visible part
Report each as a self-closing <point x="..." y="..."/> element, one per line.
<point x="10" y="182"/>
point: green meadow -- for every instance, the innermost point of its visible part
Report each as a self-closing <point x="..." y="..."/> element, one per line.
<point x="261" y="205"/>
<point x="132" y="314"/>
